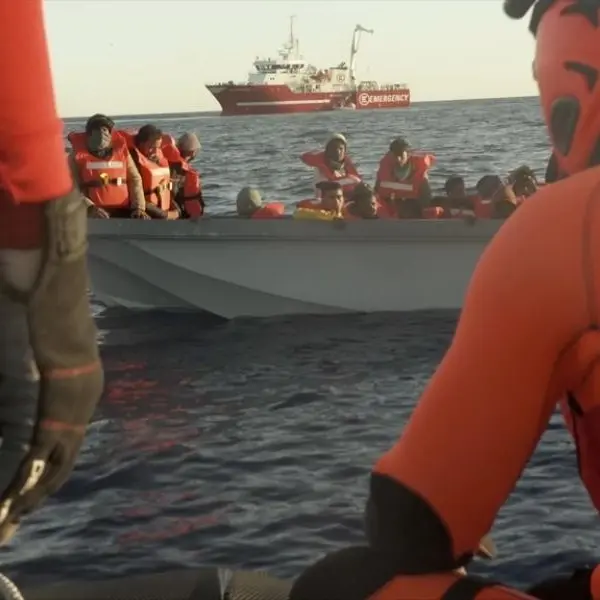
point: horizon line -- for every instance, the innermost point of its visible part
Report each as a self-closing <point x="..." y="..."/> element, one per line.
<point x="217" y="112"/>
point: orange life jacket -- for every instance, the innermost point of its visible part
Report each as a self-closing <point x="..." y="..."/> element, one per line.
<point x="103" y="181"/>
<point x="192" y="184"/>
<point x="272" y="210"/>
<point x="309" y="203"/>
<point x="390" y="188"/>
<point x="348" y="179"/>
<point x="445" y="212"/>
<point x="156" y="178"/>
<point x="484" y="208"/>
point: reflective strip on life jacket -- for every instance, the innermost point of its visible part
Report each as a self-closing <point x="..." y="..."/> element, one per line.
<point x="104" y="182"/>
<point x="98" y="165"/>
<point x="395" y="185"/>
<point x="161" y="172"/>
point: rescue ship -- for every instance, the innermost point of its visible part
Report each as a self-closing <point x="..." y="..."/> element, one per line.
<point x="289" y="84"/>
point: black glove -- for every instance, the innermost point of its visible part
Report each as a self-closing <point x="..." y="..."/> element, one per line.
<point x="62" y="336"/>
<point x="574" y="587"/>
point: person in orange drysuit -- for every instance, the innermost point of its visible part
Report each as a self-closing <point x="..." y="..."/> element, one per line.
<point x="528" y="339"/>
<point x="51" y="376"/>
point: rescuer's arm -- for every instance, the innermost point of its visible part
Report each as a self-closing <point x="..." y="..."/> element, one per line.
<point x="33" y="166"/>
<point x="483" y="412"/>
<point x="48" y="345"/>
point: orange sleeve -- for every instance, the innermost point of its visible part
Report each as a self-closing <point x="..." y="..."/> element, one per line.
<point x="33" y="162"/>
<point x="483" y="412"/>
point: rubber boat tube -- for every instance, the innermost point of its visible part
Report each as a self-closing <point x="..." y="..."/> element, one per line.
<point x="207" y="583"/>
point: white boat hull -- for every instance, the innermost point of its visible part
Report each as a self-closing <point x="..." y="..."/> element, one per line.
<point x="242" y="268"/>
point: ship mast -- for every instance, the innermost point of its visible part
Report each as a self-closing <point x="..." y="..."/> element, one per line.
<point x="293" y="45"/>
<point x="354" y="49"/>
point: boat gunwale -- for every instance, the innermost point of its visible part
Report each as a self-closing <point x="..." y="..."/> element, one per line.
<point x="232" y="229"/>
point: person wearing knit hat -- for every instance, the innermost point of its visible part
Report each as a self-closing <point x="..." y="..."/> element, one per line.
<point x="333" y="164"/>
<point x="250" y="205"/>
<point x="99" y="142"/>
<point x="186" y="180"/>
<point x="248" y="201"/>
<point x="189" y="146"/>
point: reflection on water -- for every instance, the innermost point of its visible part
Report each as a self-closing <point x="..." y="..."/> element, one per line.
<point x="249" y="444"/>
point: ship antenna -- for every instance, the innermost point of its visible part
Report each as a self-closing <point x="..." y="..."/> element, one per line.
<point x="292" y="38"/>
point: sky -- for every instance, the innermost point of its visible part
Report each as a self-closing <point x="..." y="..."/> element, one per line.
<point x="155" y="56"/>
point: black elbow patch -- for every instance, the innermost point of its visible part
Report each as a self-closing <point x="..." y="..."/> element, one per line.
<point x="402" y="524"/>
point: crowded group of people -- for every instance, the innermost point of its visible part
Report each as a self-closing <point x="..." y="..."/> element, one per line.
<point x="149" y="175"/>
<point x="142" y="175"/>
<point x="402" y="189"/>
<point x="527" y="339"/>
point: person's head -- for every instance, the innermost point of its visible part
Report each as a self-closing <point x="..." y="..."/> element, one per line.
<point x="332" y="195"/>
<point x="98" y="129"/>
<point x="189" y="146"/>
<point x="488" y="186"/>
<point x="566" y="68"/>
<point x="400" y="148"/>
<point x="363" y="202"/>
<point x="455" y="187"/>
<point x="248" y="201"/>
<point x="335" y="149"/>
<point x="505" y="195"/>
<point x="148" y="140"/>
<point x="523" y="180"/>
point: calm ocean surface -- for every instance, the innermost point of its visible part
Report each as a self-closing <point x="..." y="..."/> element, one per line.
<point x="249" y="444"/>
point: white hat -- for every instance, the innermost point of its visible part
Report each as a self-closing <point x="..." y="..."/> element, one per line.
<point x="338" y="137"/>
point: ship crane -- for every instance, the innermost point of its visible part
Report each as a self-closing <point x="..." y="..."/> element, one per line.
<point x="354" y="50"/>
<point x="292" y="49"/>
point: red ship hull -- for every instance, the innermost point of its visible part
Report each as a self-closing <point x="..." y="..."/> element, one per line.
<point x="236" y="100"/>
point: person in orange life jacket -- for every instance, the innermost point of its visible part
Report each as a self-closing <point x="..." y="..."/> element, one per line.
<point x="333" y="164"/>
<point x="524" y="181"/>
<point x="363" y="204"/>
<point x="187" y="184"/>
<point x="496" y="200"/>
<point x="249" y="204"/>
<point x="457" y="202"/>
<point x="331" y="200"/>
<point x="155" y="172"/>
<point x="443" y="483"/>
<point x="93" y="153"/>
<point x="402" y="181"/>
